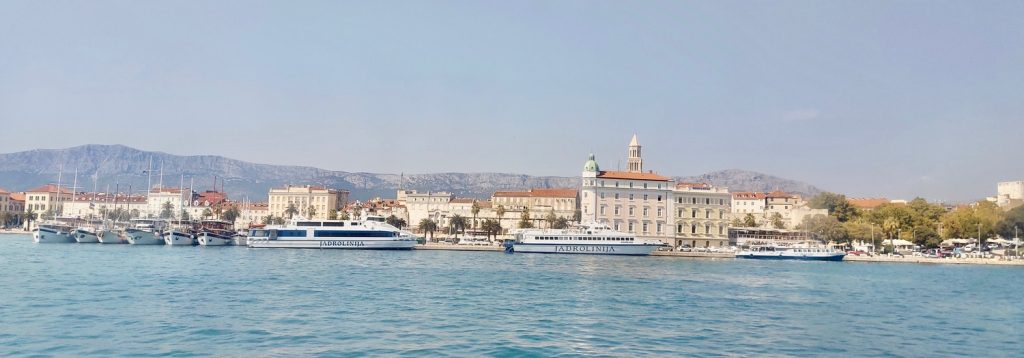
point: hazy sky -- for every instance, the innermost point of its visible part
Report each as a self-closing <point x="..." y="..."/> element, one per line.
<point x="868" y="98"/>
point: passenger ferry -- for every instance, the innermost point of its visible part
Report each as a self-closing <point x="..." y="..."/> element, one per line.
<point x="372" y="233"/>
<point x="590" y="238"/>
<point x="792" y="253"/>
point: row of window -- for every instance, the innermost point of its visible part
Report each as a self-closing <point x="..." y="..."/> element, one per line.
<point x="707" y="229"/>
<point x="707" y="213"/>
<point x="695" y="200"/>
<point x="580" y="238"/>
<point x="646" y="210"/>
<point x="616" y="196"/>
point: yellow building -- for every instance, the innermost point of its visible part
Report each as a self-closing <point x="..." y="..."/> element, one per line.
<point x="313" y="202"/>
<point x="45" y="199"/>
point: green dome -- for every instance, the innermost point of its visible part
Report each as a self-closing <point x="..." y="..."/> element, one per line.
<point x="591" y="165"/>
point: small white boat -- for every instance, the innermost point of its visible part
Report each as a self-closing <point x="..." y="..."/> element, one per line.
<point x="143" y="232"/>
<point x="211" y="238"/>
<point x="590" y="238"/>
<point x="370" y="234"/>
<point x="109" y="236"/>
<point x="53" y="233"/>
<point x="86" y="235"/>
<point x="179" y="238"/>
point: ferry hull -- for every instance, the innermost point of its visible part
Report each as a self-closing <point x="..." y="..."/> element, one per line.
<point x="52" y="237"/>
<point x="178" y="239"/>
<point x="352" y="244"/>
<point x="627" y="249"/>
<point x="109" y="237"/>
<point x="83" y="237"/>
<point x="837" y="257"/>
<point x="143" y="238"/>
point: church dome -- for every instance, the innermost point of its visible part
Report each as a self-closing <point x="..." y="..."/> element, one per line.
<point x="591" y="165"/>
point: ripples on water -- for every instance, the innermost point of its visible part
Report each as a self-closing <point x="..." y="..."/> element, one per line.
<point x="90" y="299"/>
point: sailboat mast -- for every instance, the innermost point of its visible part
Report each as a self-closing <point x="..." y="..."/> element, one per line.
<point x="60" y="175"/>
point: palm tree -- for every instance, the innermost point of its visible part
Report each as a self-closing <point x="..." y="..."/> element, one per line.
<point x="344" y="216"/>
<point x="207" y="213"/>
<point x="551" y="218"/>
<point x="524" y="220"/>
<point x="231" y="214"/>
<point x="749" y="220"/>
<point x="428" y="226"/>
<point x="475" y="210"/>
<point x="29" y="216"/>
<point x="333" y="214"/>
<point x="311" y="211"/>
<point x="291" y="210"/>
<point x="777" y="221"/>
<point x="889" y="226"/>
<point x="457" y="223"/>
<point x="501" y="213"/>
<point x="357" y="211"/>
<point x="167" y="210"/>
<point x="560" y="223"/>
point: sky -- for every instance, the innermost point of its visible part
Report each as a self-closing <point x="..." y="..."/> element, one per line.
<point x="868" y="98"/>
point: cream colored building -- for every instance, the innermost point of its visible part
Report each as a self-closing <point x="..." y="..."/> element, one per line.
<point x="251" y="214"/>
<point x="430" y="205"/>
<point x="763" y="206"/>
<point x="96" y="205"/>
<point x="305" y="198"/>
<point x="173" y="196"/>
<point x="1010" y="194"/>
<point x="633" y="201"/>
<point x="46" y="199"/>
<point x="539" y="202"/>
<point x="702" y="215"/>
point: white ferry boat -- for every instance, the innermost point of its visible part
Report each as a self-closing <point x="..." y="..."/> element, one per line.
<point x="590" y="238"/>
<point x="791" y="253"/>
<point x="53" y="233"/>
<point x="370" y="234"/>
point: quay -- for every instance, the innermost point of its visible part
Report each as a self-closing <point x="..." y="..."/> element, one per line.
<point x="445" y="247"/>
<point x="932" y="260"/>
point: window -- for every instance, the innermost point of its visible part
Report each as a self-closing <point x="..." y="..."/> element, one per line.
<point x="659" y="198"/>
<point x="693" y="213"/>
<point x="707" y="229"/>
<point x="630" y="211"/>
<point x="659" y="228"/>
<point x="645" y="211"/>
<point x="616" y="196"/>
<point x="659" y="212"/>
<point x="645" y="187"/>
<point x="707" y="201"/>
<point x="645" y="226"/>
<point x="630" y="196"/>
<point x="693" y="229"/>
<point x="721" y="214"/>
<point x="602" y="195"/>
<point x="707" y="214"/>
<point x="693" y="200"/>
<point x="616" y="210"/>
<point x="679" y="228"/>
<point x="630" y="227"/>
<point x="720" y="229"/>
<point x="616" y="226"/>
<point x="602" y="209"/>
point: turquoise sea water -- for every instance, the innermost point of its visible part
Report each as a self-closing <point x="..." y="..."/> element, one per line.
<point x="122" y="300"/>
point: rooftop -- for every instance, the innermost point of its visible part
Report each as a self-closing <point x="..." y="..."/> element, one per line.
<point x="49" y="188"/>
<point x="632" y="176"/>
<point x="538" y="193"/>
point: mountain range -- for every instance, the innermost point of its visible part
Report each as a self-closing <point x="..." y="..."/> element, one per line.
<point x="118" y="166"/>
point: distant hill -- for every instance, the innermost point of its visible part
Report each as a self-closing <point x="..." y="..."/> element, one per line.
<point x="127" y="166"/>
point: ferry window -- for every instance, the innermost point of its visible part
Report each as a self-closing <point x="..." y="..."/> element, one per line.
<point x="334" y="224"/>
<point x="307" y="223"/>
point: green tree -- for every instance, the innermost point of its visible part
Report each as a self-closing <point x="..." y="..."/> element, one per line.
<point x="457" y="223"/>
<point x="524" y="219"/>
<point x="5" y="219"/>
<point x="475" y="210"/>
<point x="185" y="215"/>
<point x="825" y="227"/>
<point x="218" y="211"/>
<point x="29" y="216"/>
<point x="167" y="210"/>
<point x="577" y="215"/>
<point x="207" y="213"/>
<point x="357" y="212"/>
<point x="859" y="230"/>
<point x="344" y="216"/>
<point x="966" y="222"/>
<point x="777" y="221"/>
<point x="231" y="214"/>
<point x="333" y="214"/>
<point x="500" y="212"/>
<point x="311" y="211"/>
<point x="267" y="220"/>
<point x="428" y="226"/>
<point x="560" y="223"/>
<point x="395" y="221"/>
<point x="749" y="220"/>
<point x="1012" y="223"/>
<point x="736" y="222"/>
<point x="291" y="210"/>
<point x="134" y="213"/>
<point x="278" y="220"/>
<point x="836" y="204"/>
<point x="491" y="226"/>
<point x="551" y="218"/>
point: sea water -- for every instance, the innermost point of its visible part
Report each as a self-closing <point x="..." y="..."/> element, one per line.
<point x="125" y="300"/>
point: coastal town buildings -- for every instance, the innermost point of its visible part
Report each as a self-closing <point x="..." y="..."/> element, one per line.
<point x="1010" y="194"/>
<point x="251" y="214"/>
<point x="791" y="209"/>
<point x="428" y="205"/>
<point x="46" y="199"/>
<point x="539" y="203"/>
<point x="314" y="202"/>
<point x="174" y="198"/>
<point x="632" y="201"/>
<point x="702" y="215"/>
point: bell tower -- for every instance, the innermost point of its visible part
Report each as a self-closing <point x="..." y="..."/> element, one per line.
<point x="635" y="162"/>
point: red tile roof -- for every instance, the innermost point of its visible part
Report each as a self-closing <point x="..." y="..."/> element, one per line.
<point x="631" y="176"/>
<point x="4" y="191"/>
<point x="18" y="196"/>
<point x="49" y="188"/>
<point x="537" y="193"/>
<point x="748" y="195"/>
<point x="779" y="194"/>
<point x="462" y="201"/>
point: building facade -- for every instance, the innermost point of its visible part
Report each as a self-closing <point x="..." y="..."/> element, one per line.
<point x="430" y="205"/>
<point x="46" y="199"/>
<point x="313" y="202"/>
<point x="702" y="215"/>
<point x="632" y="201"/>
<point x="1010" y="194"/>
